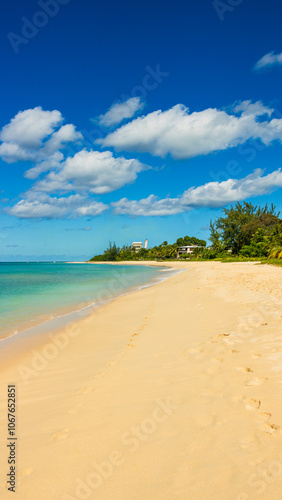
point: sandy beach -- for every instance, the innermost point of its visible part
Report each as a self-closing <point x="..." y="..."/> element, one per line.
<point x="172" y="392"/>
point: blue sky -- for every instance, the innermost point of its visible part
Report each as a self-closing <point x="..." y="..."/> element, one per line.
<point x="130" y="120"/>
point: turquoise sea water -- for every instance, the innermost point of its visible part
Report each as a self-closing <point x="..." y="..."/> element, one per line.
<point x="32" y="293"/>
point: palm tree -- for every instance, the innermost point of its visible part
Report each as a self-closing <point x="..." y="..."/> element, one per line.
<point x="275" y="253"/>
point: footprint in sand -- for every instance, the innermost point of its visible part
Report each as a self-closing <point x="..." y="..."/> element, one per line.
<point x="264" y="416"/>
<point x="244" y="369"/>
<point x="272" y="429"/>
<point x="75" y="409"/>
<point x="26" y="472"/>
<point x="59" y="436"/>
<point x="256" y="355"/>
<point x="252" y="404"/>
<point x="256" y="381"/>
<point x="232" y="341"/>
<point x="225" y="338"/>
<point x="220" y="336"/>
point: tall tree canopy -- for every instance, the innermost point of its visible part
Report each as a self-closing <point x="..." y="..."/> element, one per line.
<point x="240" y="224"/>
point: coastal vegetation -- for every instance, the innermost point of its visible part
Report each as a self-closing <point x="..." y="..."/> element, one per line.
<point x="164" y="251"/>
<point x="243" y="232"/>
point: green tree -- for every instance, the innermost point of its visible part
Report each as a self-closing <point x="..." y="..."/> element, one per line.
<point x="190" y="240"/>
<point x="112" y="252"/>
<point x="215" y="238"/>
<point x="239" y="224"/>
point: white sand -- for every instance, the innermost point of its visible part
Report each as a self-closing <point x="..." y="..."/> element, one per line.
<point x="169" y="393"/>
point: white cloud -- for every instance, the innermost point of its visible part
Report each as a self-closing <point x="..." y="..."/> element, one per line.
<point x="28" y="128"/>
<point x="93" y="209"/>
<point x="92" y="171"/>
<point x="150" y="206"/>
<point x="268" y="60"/>
<point x="11" y="152"/>
<point x="38" y="205"/>
<point x="247" y="108"/>
<point x="32" y="136"/>
<point x="184" y="135"/>
<point x="218" y="194"/>
<point x="51" y="163"/>
<point x="42" y="206"/>
<point x="58" y="139"/>
<point x="121" y="111"/>
<point x="210" y="195"/>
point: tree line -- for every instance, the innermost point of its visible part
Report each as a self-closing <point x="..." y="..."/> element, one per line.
<point x="164" y="251"/>
<point x="243" y="230"/>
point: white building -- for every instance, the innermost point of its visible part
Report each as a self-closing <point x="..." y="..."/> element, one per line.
<point x="138" y="245"/>
<point x="186" y="250"/>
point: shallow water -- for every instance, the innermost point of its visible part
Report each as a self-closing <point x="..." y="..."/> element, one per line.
<point x="32" y="293"/>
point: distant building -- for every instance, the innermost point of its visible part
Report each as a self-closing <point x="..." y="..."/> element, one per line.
<point x="138" y="245"/>
<point x="187" y="250"/>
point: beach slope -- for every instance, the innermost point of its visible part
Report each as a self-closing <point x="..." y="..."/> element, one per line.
<point x="172" y="392"/>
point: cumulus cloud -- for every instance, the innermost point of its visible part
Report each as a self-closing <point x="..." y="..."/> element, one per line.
<point x="38" y="136"/>
<point x="269" y="60"/>
<point x="218" y="194"/>
<point x="184" y="135"/>
<point x="43" y="206"/>
<point x="92" y="171"/>
<point x="150" y="206"/>
<point x="51" y="163"/>
<point x="209" y="195"/>
<point x="58" y="139"/>
<point x="121" y="111"/>
<point x="28" y="128"/>
<point x="39" y="205"/>
<point x="247" y="108"/>
<point x="11" y="152"/>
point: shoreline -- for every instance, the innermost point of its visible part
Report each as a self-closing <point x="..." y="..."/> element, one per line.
<point x="34" y="336"/>
<point x="56" y="321"/>
<point x="171" y="392"/>
<point x="150" y="263"/>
